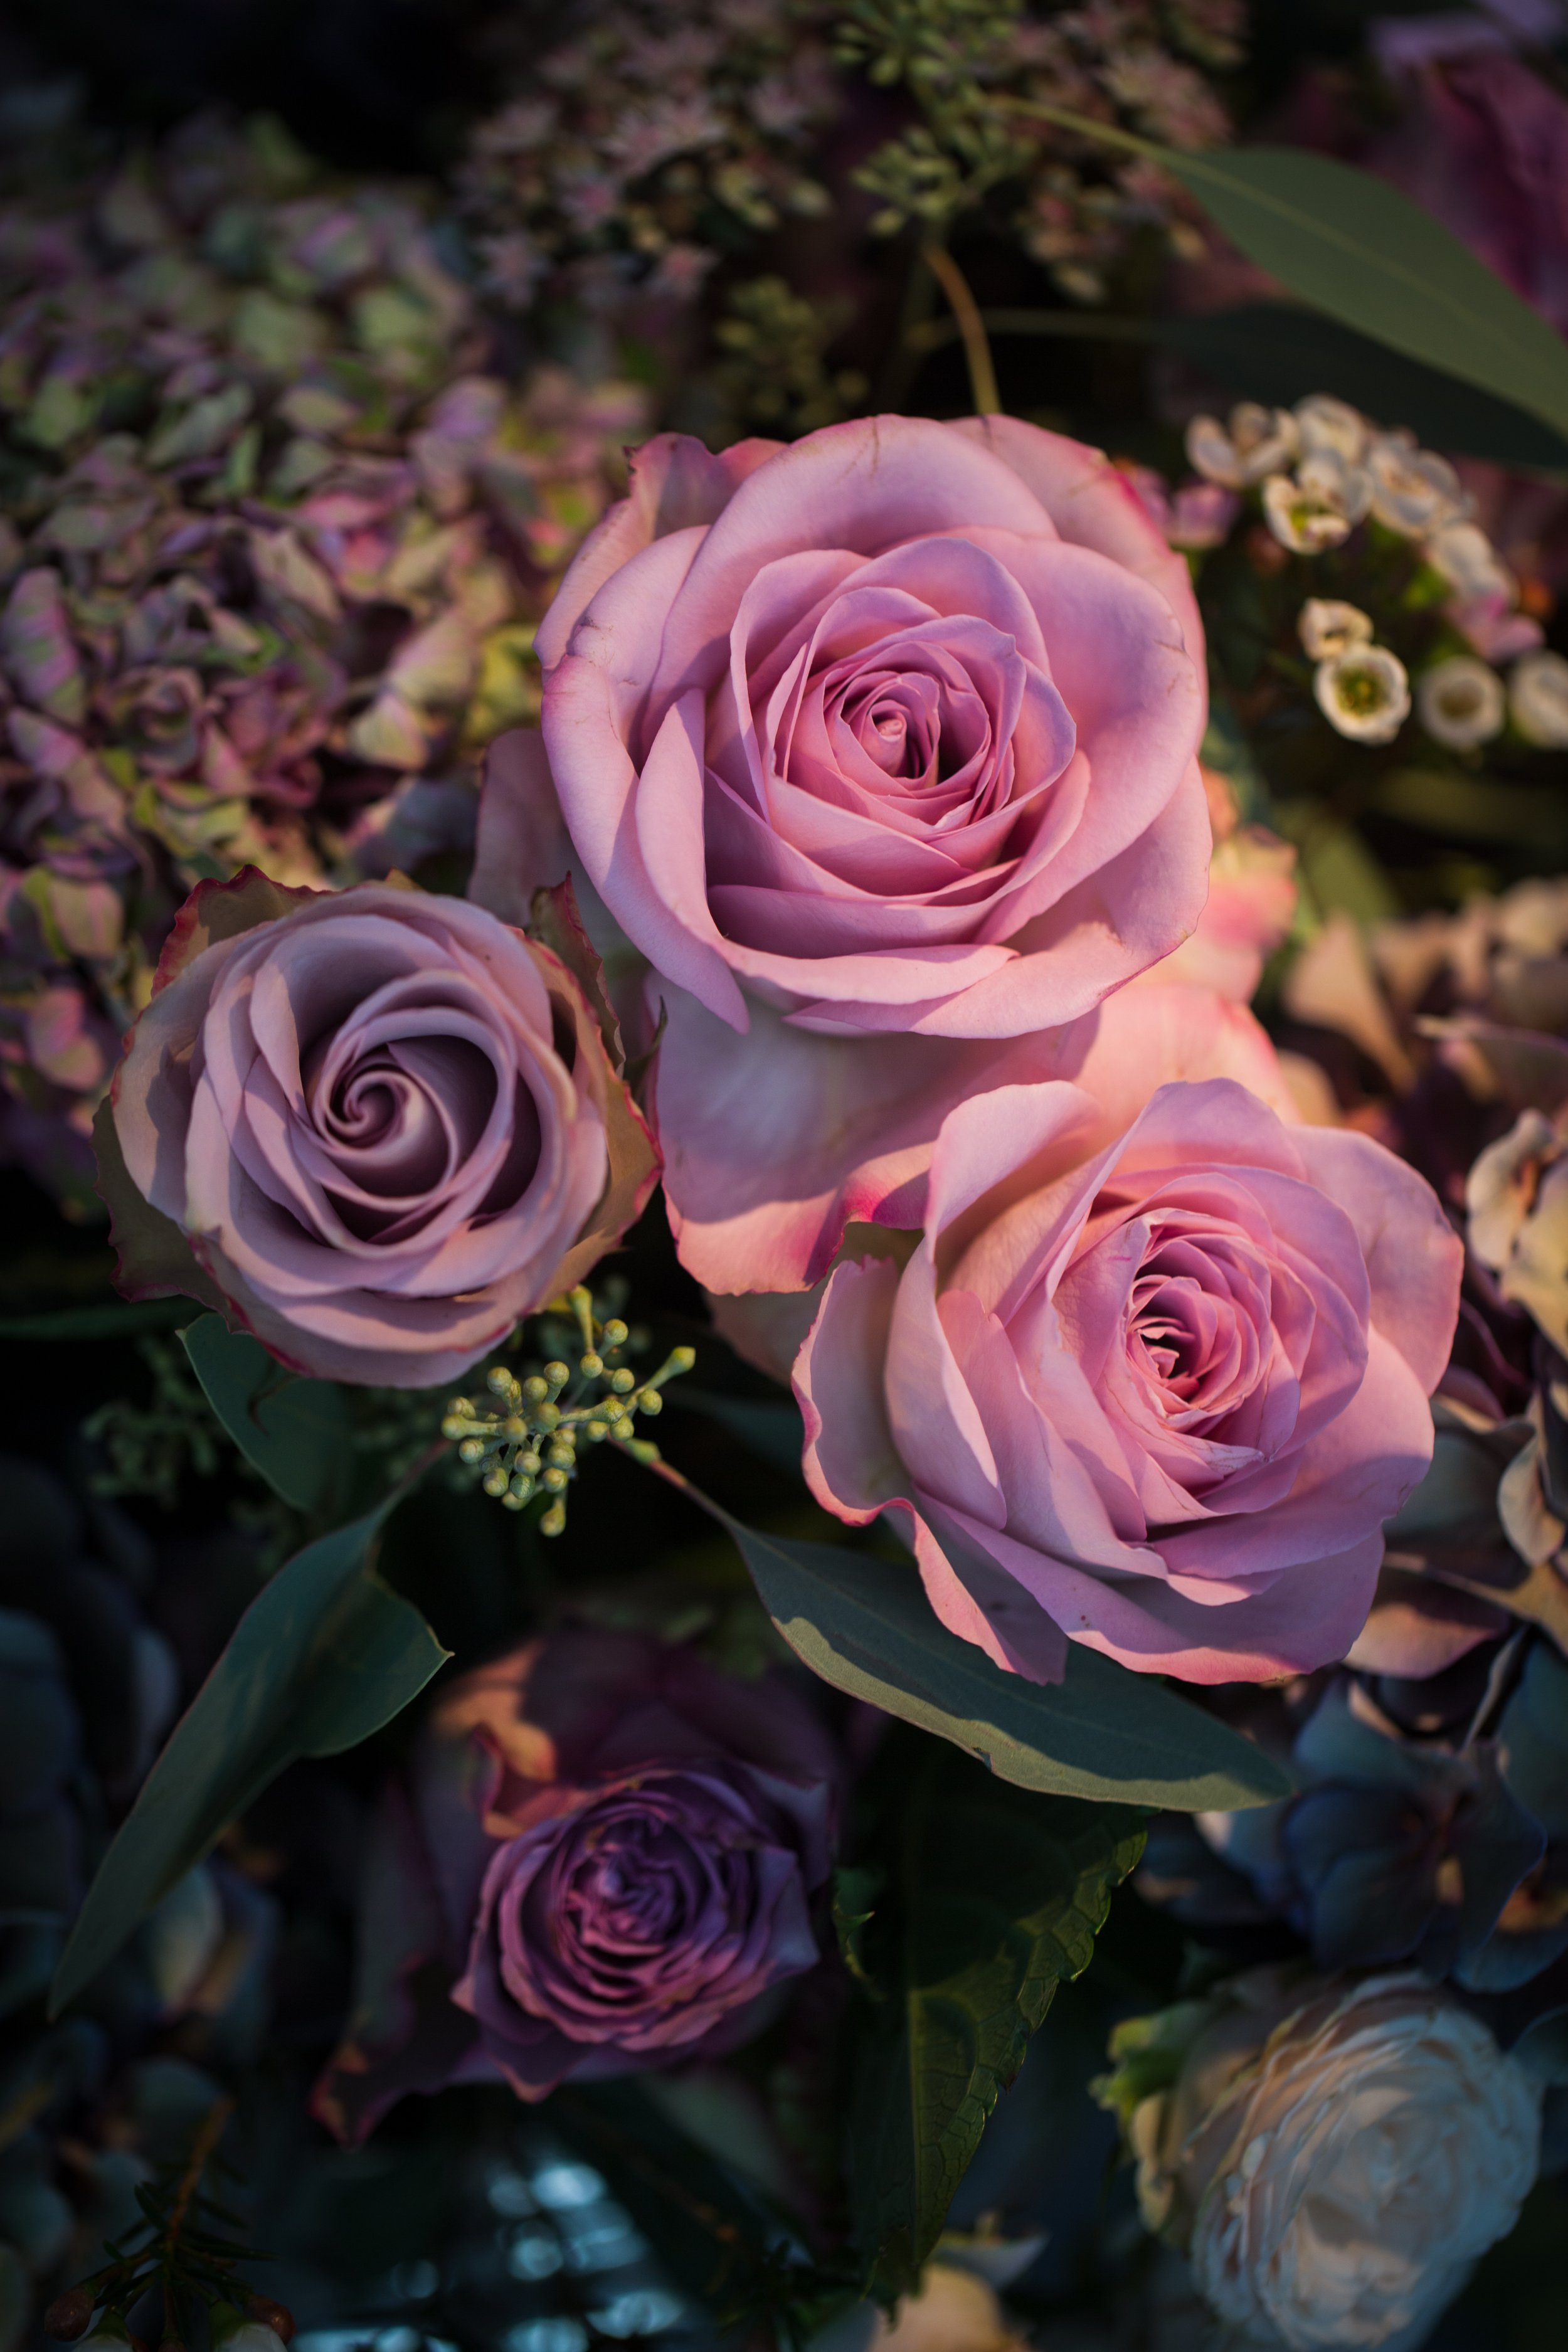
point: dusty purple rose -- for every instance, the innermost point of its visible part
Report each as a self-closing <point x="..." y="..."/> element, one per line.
<point x="375" y="1129"/>
<point x="605" y="1860"/>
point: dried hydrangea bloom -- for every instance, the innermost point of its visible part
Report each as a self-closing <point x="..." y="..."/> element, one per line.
<point x="275" y="547"/>
<point x="634" y="135"/>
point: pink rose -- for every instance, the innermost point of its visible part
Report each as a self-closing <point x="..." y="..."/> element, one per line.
<point x="887" y="735"/>
<point x="1152" y="1390"/>
<point x="374" y="1129"/>
<point x="900" y="734"/>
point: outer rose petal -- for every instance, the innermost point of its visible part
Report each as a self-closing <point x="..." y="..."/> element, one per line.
<point x="1414" y="1255"/>
<point x="676" y="482"/>
<point x="1093" y="504"/>
<point x="775" y="1142"/>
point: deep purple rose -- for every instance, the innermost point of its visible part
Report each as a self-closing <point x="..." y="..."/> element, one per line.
<point x="603" y="1861"/>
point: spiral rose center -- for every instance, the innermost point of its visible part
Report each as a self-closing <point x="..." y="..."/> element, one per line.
<point x="400" y="1120"/>
<point x="1193" y="1345"/>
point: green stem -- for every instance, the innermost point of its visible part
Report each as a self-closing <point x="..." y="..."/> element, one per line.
<point x="971" y="326"/>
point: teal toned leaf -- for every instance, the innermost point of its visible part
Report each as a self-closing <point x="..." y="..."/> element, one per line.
<point x="1000" y="1895"/>
<point x="864" y="1624"/>
<point x="1279" y="353"/>
<point x="294" y="1432"/>
<point x="322" y="1657"/>
<point x="1375" y="260"/>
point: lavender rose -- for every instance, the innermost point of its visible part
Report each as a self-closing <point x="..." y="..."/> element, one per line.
<point x="373" y="1128"/>
<point x="605" y="1861"/>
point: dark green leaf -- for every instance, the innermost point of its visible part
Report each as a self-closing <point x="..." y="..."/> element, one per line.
<point x="294" y="1432"/>
<point x="1279" y="353"/>
<point x="999" y="1898"/>
<point x="1375" y="260"/>
<point x="122" y="1320"/>
<point x="865" y="1625"/>
<point x="323" y="1656"/>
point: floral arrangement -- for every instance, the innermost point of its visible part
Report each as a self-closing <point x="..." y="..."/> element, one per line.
<point x="787" y="1496"/>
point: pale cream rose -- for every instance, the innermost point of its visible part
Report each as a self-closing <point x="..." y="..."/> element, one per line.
<point x="1332" y="2156"/>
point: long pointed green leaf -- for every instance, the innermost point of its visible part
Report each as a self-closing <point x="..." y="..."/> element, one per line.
<point x="1369" y="256"/>
<point x="865" y="1625"/>
<point x="323" y="1656"/>
<point x="1000" y="1897"/>
<point x="1354" y="246"/>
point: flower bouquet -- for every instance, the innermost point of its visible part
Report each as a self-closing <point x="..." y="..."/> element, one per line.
<point x="785" y="1105"/>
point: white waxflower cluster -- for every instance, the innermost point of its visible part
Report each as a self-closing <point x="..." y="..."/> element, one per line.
<point x="1361" y="689"/>
<point x="1320" y="468"/>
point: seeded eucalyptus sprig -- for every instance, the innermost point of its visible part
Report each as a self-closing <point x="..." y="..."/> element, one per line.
<point x="526" y="1443"/>
<point x="185" y="2247"/>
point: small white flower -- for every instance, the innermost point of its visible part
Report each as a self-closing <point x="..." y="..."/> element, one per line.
<point x="1332" y="424"/>
<point x="1326" y="627"/>
<point x="1538" y="699"/>
<point x="1364" y="694"/>
<point x="1319" y="508"/>
<point x="1462" y="702"/>
<point x="1413" y="491"/>
<point x="1259" y="441"/>
<point x="1463" y="553"/>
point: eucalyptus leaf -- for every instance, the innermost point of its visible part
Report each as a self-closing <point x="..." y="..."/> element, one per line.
<point x="323" y="1656"/>
<point x="865" y="1625"/>
<point x="1371" y="257"/>
<point x="1279" y="352"/>
<point x="294" y="1432"/>
<point x="1375" y="259"/>
<point x="999" y="1898"/>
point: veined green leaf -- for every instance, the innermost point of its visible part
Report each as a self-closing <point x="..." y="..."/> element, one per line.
<point x="1000" y="1895"/>
<point x="323" y="1656"/>
<point x="294" y="1432"/>
<point x="864" y="1624"/>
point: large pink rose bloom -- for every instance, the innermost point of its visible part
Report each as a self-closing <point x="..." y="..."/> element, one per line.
<point x="889" y="731"/>
<point x="374" y="1129"/>
<point x="1154" y="1393"/>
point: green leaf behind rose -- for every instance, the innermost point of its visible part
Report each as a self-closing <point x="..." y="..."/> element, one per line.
<point x="323" y="1656"/>
<point x="998" y="1896"/>
<point x="294" y="1432"/>
<point x="864" y="1624"/>
<point x="1376" y="260"/>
